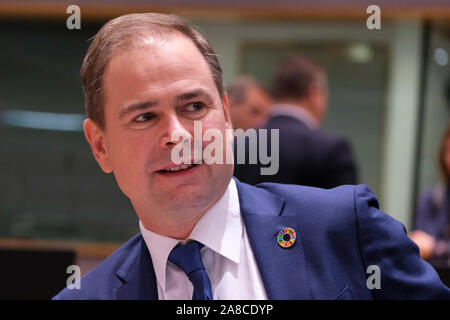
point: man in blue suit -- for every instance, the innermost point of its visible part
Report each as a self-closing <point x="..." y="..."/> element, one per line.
<point x="309" y="155"/>
<point x="204" y="234"/>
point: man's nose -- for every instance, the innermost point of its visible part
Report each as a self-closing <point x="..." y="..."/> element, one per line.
<point x="174" y="133"/>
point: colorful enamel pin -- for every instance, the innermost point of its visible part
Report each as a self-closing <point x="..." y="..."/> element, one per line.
<point x="286" y="237"/>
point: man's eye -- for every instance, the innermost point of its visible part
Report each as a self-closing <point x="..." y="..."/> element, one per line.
<point x="144" y="117"/>
<point x="195" y="106"/>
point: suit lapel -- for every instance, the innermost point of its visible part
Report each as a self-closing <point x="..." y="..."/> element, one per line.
<point x="137" y="276"/>
<point x="283" y="270"/>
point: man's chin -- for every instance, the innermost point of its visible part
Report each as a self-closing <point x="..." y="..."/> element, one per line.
<point x="185" y="199"/>
<point x="190" y="189"/>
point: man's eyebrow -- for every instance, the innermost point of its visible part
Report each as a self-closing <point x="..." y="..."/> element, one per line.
<point x="137" y="106"/>
<point x="148" y="104"/>
<point x="192" y="94"/>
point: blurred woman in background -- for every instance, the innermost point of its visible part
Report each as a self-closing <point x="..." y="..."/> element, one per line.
<point x="432" y="221"/>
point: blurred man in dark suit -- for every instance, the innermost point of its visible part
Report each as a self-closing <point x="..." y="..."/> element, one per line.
<point x="249" y="103"/>
<point x="308" y="155"/>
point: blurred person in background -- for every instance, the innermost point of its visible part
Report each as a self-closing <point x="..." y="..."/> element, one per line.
<point x="432" y="221"/>
<point x="308" y="155"/>
<point x="249" y="103"/>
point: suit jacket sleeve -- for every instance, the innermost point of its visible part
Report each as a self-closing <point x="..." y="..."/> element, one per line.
<point x="424" y="207"/>
<point x="383" y="242"/>
<point x="430" y="215"/>
<point x="340" y="165"/>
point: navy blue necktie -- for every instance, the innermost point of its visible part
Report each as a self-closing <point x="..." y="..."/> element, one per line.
<point x="188" y="258"/>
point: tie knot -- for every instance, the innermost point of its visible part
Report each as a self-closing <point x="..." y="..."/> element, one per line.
<point x="187" y="257"/>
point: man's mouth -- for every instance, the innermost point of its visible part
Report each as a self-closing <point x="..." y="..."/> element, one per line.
<point x="182" y="167"/>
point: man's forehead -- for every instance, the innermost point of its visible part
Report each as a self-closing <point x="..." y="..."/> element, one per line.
<point x="135" y="72"/>
<point x="156" y="42"/>
<point x="158" y="52"/>
<point x="153" y="39"/>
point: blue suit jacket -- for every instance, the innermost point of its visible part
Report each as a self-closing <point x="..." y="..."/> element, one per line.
<point x="308" y="157"/>
<point x="340" y="232"/>
<point x="433" y="213"/>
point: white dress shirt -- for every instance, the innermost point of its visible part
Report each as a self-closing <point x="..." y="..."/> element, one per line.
<point x="227" y="255"/>
<point x="296" y="112"/>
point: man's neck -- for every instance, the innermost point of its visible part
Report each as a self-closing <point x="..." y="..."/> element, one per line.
<point x="179" y="228"/>
<point x="303" y="113"/>
<point x="177" y="221"/>
<point x="303" y="104"/>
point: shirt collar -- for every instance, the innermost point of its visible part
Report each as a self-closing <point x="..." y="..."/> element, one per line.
<point x="297" y="112"/>
<point x="220" y="229"/>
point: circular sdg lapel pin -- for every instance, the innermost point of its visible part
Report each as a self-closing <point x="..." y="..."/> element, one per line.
<point x="286" y="237"/>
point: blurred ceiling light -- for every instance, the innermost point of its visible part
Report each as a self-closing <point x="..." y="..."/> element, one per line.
<point x="441" y="57"/>
<point x="360" y="52"/>
<point x="42" y="120"/>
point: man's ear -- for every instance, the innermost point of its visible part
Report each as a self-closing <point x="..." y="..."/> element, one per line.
<point x="317" y="101"/>
<point x="314" y="90"/>
<point x="96" y="138"/>
<point x="226" y="111"/>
